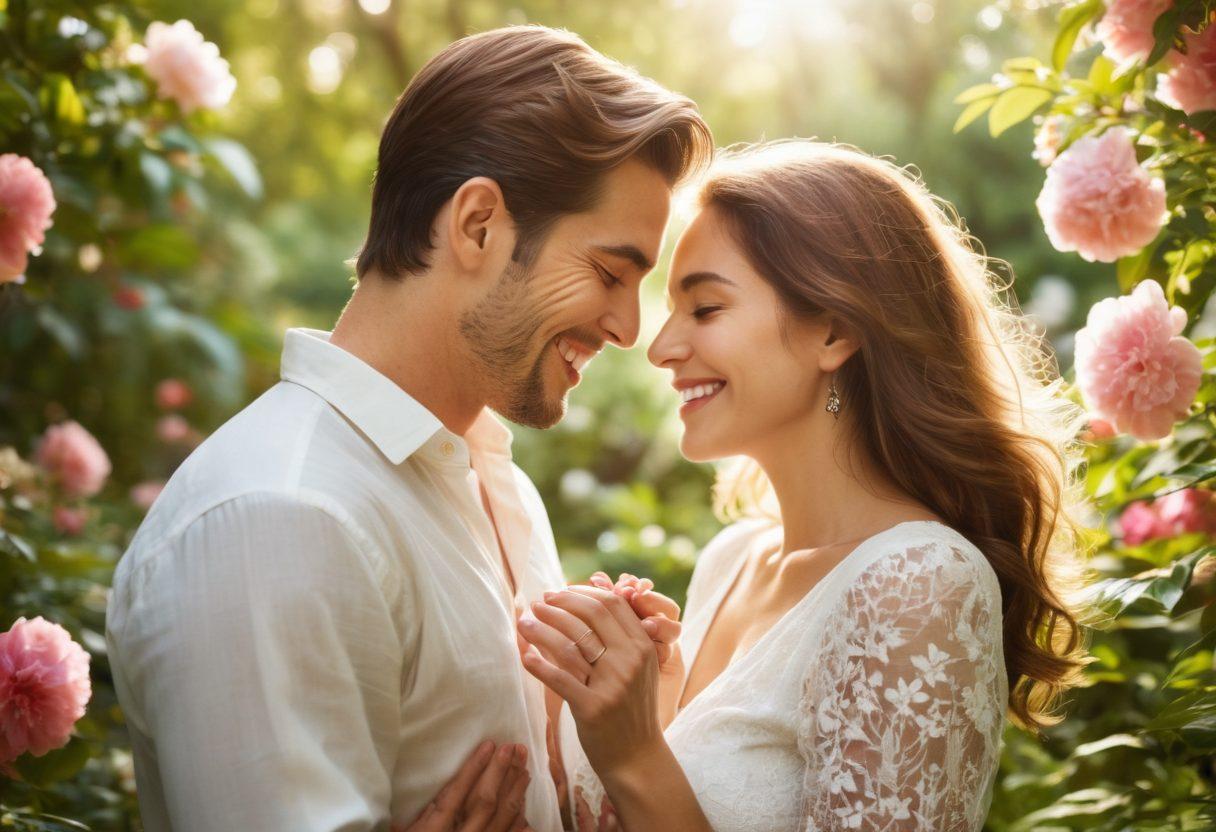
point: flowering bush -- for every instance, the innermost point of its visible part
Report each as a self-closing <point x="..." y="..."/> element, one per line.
<point x="1126" y="115"/>
<point x="115" y="148"/>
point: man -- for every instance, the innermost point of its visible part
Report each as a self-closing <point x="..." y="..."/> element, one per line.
<point x="314" y="626"/>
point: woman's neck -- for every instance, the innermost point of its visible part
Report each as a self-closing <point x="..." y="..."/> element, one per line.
<point x="829" y="491"/>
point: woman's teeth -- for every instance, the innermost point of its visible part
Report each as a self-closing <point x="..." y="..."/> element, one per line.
<point x="575" y="358"/>
<point x="700" y="391"/>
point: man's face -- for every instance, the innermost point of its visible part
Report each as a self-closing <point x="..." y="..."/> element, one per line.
<point x="539" y="325"/>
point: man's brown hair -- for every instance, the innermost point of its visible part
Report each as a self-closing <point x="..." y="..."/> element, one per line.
<point x="538" y="111"/>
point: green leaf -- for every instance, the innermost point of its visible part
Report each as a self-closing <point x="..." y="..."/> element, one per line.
<point x="54" y="766"/>
<point x="156" y="171"/>
<point x="971" y="112"/>
<point x="977" y="92"/>
<point x="66" y="333"/>
<point x="1153" y="592"/>
<point x="14" y="546"/>
<point x="160" y="246"/>
<point x="1015" y="105"/>
<point x="1132" y="269"/>
<point x="58" y="97"/>
<point x="1071" y="21"/>
<point x="238" y="162"/>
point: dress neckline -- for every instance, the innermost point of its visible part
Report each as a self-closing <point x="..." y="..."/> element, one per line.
<point x="715" y="605"/>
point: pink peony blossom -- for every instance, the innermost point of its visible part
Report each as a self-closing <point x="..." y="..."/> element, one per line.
<point x="1190" y="84"/>
<point x="186" y="68"/>
<point x="1134" y="367"/>
<point x="1187" y="511"/>
<point x="26" y="205"/>
<point x="1099" y="428"/>
<point x="69" y="520"/>
<point x="1126" y="29"/>
<point x="173" y="394"/>
<point x="74" y="458"/>
<point x="172" y="429"/>
<point x="144" y="494"/>
<point x="1140" y="523"/>
<point x="1099" y="202"/>
<point x="44" y="687"/>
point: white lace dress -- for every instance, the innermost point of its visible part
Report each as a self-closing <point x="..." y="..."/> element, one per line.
<point x="876" y="702"/>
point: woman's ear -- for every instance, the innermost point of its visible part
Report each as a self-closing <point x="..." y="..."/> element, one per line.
<point x="840" y="342"/>
<point x="478" y="223"/>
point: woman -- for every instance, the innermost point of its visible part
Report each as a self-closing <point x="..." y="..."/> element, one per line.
<point x="848" y="665"/>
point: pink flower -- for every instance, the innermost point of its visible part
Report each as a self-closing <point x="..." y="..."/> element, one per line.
<point x="186" y="68"/>
<point x="173" y="394"/>
<point x="1047" y="139"/>
<point x="1188" y="510"/>
<point x="1098" y="201"/>
<point x="172" y="429"/>
<point x="1134" y="367"/>
<point x="145" y="493"/>
<point x="1126" y="29"/>
<point x="1139" y="523"/>
<point x="129" y="298"/>
<point x="69" y="520"/>
<point x="26" y="205"/>
<point x="1190" y="85"/>
<point x="44" y="687"/>
<point x="74" y="458"/>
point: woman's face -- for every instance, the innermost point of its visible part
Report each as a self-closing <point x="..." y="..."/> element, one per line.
<point x="745" y="380"/>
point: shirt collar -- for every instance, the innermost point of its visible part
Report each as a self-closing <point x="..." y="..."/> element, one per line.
<point x="392" y="419"/>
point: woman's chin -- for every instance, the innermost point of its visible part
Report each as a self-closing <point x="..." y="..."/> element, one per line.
<point x="700" y="448"/>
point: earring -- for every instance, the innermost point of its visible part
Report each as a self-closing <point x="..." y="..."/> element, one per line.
<point x="833" y="405"/>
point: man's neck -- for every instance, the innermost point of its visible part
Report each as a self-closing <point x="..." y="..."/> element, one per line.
<point x="409" y="334"/>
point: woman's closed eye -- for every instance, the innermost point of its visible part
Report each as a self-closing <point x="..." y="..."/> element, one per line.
<point x="609" y="278"/>
<point x="703" y="312"/>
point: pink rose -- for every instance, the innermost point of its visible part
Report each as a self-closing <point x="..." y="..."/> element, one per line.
<point x="1126" y="29"/>
<point x="1133" y="367"/>
<point x="74" y="458"/>
<point x="44" y="687"/>
<point x="1098" y="201"/>
<point x="186" y="68"/>
<point x="144" y="494"/>
<point x="172" y="429"/>
<point x="1139" y="523"/>
<point x="1189" y="510"/>
<point x="1190" y="84"/>
<point x="69" y="520"/>
<point x="26" y="205"/>
<point x="173" y="394"/>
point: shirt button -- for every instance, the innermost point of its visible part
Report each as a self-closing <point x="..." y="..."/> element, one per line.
<point x="447" y="449"/>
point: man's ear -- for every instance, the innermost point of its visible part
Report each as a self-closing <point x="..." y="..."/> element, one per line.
<point x="840" y="342"/>
<point x="478" y="223"/>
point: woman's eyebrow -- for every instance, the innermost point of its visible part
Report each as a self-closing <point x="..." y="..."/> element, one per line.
<point x="690" y="281"/>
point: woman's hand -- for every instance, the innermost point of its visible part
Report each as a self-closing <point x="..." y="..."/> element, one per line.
<point x="485" y="795"/>
<point x="659" y="614"/>
<point x="612" y="692"/>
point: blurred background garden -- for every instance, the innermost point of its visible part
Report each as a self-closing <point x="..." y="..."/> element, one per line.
<point x="189" y="231"/>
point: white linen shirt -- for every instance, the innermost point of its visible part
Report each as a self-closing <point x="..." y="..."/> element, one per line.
<point x="313" y="629"/>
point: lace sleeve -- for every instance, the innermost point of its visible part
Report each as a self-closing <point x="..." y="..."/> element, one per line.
<point x="902" y="712"/>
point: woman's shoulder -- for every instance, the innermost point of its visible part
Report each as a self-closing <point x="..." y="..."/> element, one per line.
<point x="733" y="541"/>
<point x="924" y="551"/>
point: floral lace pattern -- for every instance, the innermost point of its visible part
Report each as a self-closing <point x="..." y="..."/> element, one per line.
<point x="876" y="703"/>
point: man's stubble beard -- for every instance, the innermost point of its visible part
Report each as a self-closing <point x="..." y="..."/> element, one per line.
<point x="500" y="331"/>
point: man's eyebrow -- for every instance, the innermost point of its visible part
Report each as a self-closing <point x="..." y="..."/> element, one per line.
<point x="689" y="281"/>
<point x="628" y="252"/>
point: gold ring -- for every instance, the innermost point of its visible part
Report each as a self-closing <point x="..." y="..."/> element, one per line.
<point x="584" y="635"/>
<point x="603" y="650"/>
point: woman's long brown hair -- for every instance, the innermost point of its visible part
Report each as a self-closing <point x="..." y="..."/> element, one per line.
<point x="951" y="394"/>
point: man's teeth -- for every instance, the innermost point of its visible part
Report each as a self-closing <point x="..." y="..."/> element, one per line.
<point x="575" y="358"/>
<point x="701" y="390"/>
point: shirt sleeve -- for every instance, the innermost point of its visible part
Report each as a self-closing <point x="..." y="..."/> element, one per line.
<point x="262" y="655"/>
<point x="903" y="709"/>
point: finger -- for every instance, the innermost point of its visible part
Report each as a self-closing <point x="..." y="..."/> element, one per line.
<point x="558" y="681"/>
<point x="556" y="647"/>
<point x="601" y="580"/>
<point x="611" y="608"/>
<point x="510" y="801"/>
<point x="645" y="585"/>
<point x="482" y="800"/>
<point x="452" y="796"/>
<point x="662" y="630"/>
<point x="582" y="813"/>
<point x="647" y="604"/>
<point x="520" y="824"/>
<point x="570" y="626"/>
<point x="607" y="816"/>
